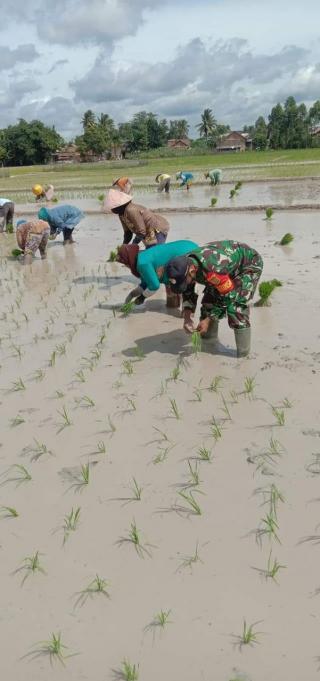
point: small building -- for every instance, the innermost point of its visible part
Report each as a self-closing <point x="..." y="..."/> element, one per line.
<point x="68" y="154"/>
<point x="315" y="131"/>
<point x="235" y="141"/>
<point x="179" y="143"/>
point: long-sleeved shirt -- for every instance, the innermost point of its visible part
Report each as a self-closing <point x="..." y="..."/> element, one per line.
<point x="151" y="261"/>
<point x="163" y="177"/>
<point x="227" y="266"/>
<point x="143" y="223"/>
<point x="63" y="216"/>
<point x="215" y="175"/>
<point x="185" y="177"/>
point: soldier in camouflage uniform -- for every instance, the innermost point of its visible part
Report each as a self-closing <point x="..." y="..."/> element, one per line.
<point x="230" y="272"/>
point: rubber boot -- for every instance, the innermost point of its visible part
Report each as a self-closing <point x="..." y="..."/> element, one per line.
<point x="212" y="333"/>
<point x="243" y="341"/>
<point x="173" y="299"/>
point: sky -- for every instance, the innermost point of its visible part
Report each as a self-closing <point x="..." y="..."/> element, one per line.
<point x="172" y="57"/>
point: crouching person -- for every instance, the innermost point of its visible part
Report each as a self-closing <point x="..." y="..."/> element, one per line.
<point x="230" y="272"/>
<point x="149" y="266"/>
<point x="32" y="236"/>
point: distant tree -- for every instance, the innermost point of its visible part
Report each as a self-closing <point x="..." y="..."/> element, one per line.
<point x="276" y="128"/>
<point x="208" y="124"/>
<point x="178" y="129"/>
<point x="30" y="143"/>
<point x="314" y="114"/>
<point x="260" y="134"/>
<point x="88" y="119"/>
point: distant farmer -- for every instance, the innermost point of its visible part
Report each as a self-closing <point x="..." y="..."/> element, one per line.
<point x="123" y="184"/>
<point x="32" y="236"/>
<point x="62" y="219"/>
<point x="186" y="179"/>
<point x="137" y="221"/>
<point x="43" y="193"/>
<point x="163" y="180"/>
<point x="214" y="176"/>
<point x="230" y="272"/>
<point x="149" y="266"/>
<point x="6" y="213"/>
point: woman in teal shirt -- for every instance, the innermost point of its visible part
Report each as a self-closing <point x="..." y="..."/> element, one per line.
<point x="149" y="266"/>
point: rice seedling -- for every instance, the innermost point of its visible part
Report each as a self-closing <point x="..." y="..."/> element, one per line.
<point x="131" y="404"/>
<point x="134" y="537"/>
<point x="162" y="455"/>
<point x="85" y="401"/>
<point x="16" y="252"/>
<point x="17" y="473"/>
<point x="61" y="349"/>
<point x="204" y="454"/>
<point x="54" y="649"/>
<point x="17" y="351"/>
<point x="128" y="367"/>
<point x="159" y="622"/>
<point x="248" y="636"/>
<point x="232" y="193"/>
<point x="70" y="523"/>
<point x="139" y="352"/>
<point x="286" y="404"/>
<point x="111" y="425"/>
<point x="17" y="385"/>
<point x="112" y="256"/>
<point x="238" y="186"/>
<point x="196" y="342"/>
<point x="30" y="565"/>
<point x="265" y="290"/>
<point x="127" y="308"/>
<point x="10" y="228"/>
<point x="190" y="561"/>
<point x="175" y="374"/>
<point x="214" y="201"/>
<point x="216" y="430"/>
<point x="286" y="239"/>
<point x="249" y="386"/>
<point x="272" y="497"/>
<point x="58" y="394"/>
<point x="269" y="213"/>
<point x="314" y="466"/>
<point x="98" y="586"/>
<point x="272" y="569"/>
<point x="37" y="450"/>
<point x="192" y="504"/>
<point x="225" y="408"/>
<point x="66" y="421"/>
<point x="8" y="512"/>
<point x="39" y="375"/>
<point x="279" y="415"/>
<point x="16" y="421"/>
<point x="216" y="384"/>
<point x="268" y="528"/>
<point x="26" y="318"/>
<point x="80" y="376"/>
<point x="198" y="394"/>
<point x="101" y="448"/>
<point x="174" y="409"/>
<point x="129" y="672"/>
<point x="52" y="360"/>
<point x="136" y="490"/>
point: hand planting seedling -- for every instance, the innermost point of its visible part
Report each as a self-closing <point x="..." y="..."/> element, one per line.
<point x="265" y="290"/>
<point x="127" y="308"/>
<point x="70" y="523"/>
<point x="112" y="256"/>
<point x="97" y="587"/>
<point x="54" y="649"/>
<point x="214" y="201"/>
<point x="196" y="342"/>
<point x="30" y="565"/>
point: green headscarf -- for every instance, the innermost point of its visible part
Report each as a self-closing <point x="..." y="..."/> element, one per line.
<point x="43" y="214"/>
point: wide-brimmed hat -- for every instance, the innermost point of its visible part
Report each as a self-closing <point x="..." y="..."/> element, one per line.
<point x="115" y="199"/>
<point x="121" y="182"/>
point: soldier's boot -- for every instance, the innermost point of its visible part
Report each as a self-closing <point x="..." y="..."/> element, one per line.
<point x="212" y="333"/>
<point x="243" y="341"/>
<point x="173" y="299"/>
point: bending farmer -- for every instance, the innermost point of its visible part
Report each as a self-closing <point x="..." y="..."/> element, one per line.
<point x="43" y="193"/>
<point x="214" y="176"/>
<point x="149" y="266"/>
<point x="186" y="179"/>
<point x="163" y="180"/>
<point x="230" y="272"/>
<point x="62" y="219"/>
<point x="149" y="227"/>
<point x="32" y="236"/>
<point x="6" y="213"/>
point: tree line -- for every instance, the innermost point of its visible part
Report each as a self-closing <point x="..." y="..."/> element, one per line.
<point x="27" y="143"/>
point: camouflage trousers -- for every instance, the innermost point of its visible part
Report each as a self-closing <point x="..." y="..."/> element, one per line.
<point x="237" y="311"/>
<point x="37" y="241"/>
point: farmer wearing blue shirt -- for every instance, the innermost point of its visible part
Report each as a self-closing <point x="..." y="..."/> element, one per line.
<point x="186" y="179"/>
<point x="61" y="219"/>
<point x="149" y="266"/>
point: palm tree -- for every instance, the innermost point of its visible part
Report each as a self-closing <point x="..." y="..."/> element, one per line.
<point x="88" y="119"/>
<point x="208" y="124"/>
